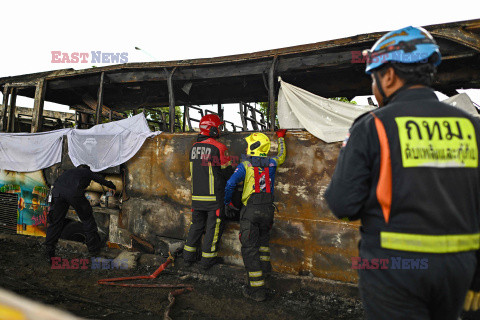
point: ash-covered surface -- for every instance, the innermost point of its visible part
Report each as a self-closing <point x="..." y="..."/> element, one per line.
<point x="217" y="293"/>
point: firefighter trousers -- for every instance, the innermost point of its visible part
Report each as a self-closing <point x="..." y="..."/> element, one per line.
<point x="56" y="221"/>
<point x="435" y="288"/>
<point x="256" y="220"/>
<point x="211" y="224"/>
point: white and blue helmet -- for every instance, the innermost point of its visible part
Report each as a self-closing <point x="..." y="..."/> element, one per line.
<point x="406" y="45"/>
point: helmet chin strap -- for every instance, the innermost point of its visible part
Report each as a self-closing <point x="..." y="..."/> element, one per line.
<point x="380" y="89"/>
<point x="388" y="99"/>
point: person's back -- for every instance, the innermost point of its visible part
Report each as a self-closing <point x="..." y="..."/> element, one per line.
<point x="257" y="172"/>
<point x="74" y="181"/>
<point x="409" y="170"/>
<point x="435" y="178"/>
<point x="207" y="161"/>
<point x="210" y="168"/>
<point x="69" y="190"/>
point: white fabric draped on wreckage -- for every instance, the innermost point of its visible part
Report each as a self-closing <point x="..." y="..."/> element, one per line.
<point x="102" y="146"/>
<point x="330" y="120"/>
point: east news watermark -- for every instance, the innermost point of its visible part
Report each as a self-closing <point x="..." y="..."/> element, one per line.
<point x="399" y="56"/>
<point x="97" y="263"/>
<point x="397" y="263"/>
<point x="89" y="57"/>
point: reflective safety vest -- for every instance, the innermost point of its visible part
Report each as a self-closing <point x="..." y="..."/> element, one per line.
<point x="260" y="192"/>
<point x="410" y="171"/>
<point x="258" y="175"/>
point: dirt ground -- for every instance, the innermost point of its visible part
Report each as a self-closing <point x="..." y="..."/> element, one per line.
<point x="24" y="271"/>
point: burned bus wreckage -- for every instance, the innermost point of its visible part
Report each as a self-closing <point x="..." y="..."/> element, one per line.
<point x="155" y="200"/>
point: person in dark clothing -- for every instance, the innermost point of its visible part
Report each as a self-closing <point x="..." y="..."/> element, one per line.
<point x="69" y="190"/>
<point x="257" y="173"/>
<point x="409" y="170"/>
<point x="210" y="168"/>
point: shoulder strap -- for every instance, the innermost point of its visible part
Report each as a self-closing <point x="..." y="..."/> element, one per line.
<point x="258" y="176"/>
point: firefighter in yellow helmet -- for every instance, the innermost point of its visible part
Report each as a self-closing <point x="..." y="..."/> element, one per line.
<point x="256" y="217"/>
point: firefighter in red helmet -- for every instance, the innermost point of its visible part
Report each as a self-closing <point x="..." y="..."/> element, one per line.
<point x="210" y="168"/>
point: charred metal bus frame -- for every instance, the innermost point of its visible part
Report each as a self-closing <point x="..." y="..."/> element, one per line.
<point x="306" y="239"/>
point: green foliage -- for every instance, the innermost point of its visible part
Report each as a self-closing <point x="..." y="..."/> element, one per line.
<point x="158" y="114"/>
<point x="343" y="99"/>
<point x="264" y="109"/>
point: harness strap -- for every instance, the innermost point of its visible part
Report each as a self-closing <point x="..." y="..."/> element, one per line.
<point x="257" y="179"/>
<point x="258" y="176"/>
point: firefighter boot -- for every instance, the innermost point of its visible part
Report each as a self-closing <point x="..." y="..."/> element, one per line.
<point x="258" y="295"/>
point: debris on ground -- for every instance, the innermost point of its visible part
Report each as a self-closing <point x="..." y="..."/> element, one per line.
<point x="217" y="293"/>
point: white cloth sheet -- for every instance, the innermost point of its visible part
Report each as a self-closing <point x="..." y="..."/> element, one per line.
<point x="102" y="146"/>
<point x="462" y="101"/>
<point x="329" y="120"/>
<point x="326" y="119"/>
<point x="108" y="144"/>
<point x="27" y="152"/>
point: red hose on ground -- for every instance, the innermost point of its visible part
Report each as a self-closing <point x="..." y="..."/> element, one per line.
<point x="114" y="281"/>
<point x="182" y="288"/>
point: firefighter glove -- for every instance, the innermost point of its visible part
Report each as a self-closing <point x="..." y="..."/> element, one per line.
<point x="472" y="300"/>
<point x="281" y="133"/>
<point x="230" y="210"/>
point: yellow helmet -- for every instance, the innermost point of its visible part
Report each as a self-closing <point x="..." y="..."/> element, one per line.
<point x="258" y="144"/>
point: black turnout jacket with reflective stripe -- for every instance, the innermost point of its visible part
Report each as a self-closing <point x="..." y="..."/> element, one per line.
<point x="210" y="168"/>
<point x="410" y="167"/>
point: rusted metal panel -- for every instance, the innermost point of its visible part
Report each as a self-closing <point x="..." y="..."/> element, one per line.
<point x="306" y="237"/>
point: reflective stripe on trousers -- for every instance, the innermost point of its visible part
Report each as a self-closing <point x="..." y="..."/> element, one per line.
<point x="255" y="279"/>
<point x="209" y="254"/>
<point x="215" y="236"/>
<point x="189" y="249"/>
<point x="264" y="253"/>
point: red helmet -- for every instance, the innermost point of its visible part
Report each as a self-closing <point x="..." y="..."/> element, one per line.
<point x="209" y="125"/>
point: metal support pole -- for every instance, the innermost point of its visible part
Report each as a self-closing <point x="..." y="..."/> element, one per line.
<point x="98" y="111"/>
<point x="3" y="124"/>
<point x="37" y="117"/>
<point x="11" y="110"/>
<point x="220" y="111"/>
<point x="271" y="93"/>
<point x="185" y="110"/>
<point x="171" y="99"/>
<point x="243" y="111"/>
